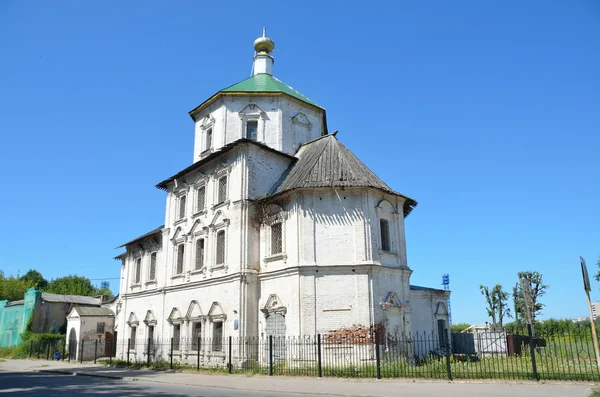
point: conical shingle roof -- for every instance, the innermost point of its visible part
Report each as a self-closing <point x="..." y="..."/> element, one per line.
<point x="326" y="162"/>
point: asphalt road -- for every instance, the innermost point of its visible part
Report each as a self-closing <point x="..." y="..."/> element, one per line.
<point x="30" y="384"/>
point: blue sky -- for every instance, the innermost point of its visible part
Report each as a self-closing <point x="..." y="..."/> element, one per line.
<point x="487" y="114"/>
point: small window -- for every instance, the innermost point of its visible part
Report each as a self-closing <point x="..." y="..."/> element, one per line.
<point x="138" y="270"/>
<point x="218" y="336"/>
<point x="384" y="227"/>
<point x="201" y="198"/>
<point x="208" y="139"/>
<point x="180" y="254"/>
<point x="221" y="247"/>
<point x="196" y="335"/>
<point x="222" y="189"/>
<point x="153" y="266"/>
<point x="199" y="254"/>
<point x="151" y="337"/>
<point x="276" y="238"/>
<point x="100" y="328"/>
<point x="182" y="200"/>
<point x="252" y="129"/>
<point x="176" y="336"/>
<point x="132" y="338"/>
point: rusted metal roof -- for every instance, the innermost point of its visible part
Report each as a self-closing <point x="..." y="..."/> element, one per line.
<point x="77" y="299"/>
<point x="135" y="240"/>
<point x="230" y="146"/>
<point x="326" y="162"/>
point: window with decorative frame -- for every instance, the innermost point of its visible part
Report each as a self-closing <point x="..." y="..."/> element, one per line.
<point x="222" y="189"/>
<point x="180" y="257"/>
<point x="208" y="139"/>
<point x="384" y="229"/>
<point x="196" y="335"/>
<point x="201" y="198"/>
<point x="176" y="336"/>
<point x="138" y="270"/>
<point x="276" y="238"/>
<point x="220" y="257"/>
<point x="181" y="207"/>
<point x="132" y="337"/>
<point x="199" y="259"/>
<point x="152" y="272"/>
<point x="217" y="336"/>
<point x="252" y="129"/>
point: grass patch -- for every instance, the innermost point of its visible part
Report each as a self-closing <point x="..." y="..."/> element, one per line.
<point x="595" y="393"/>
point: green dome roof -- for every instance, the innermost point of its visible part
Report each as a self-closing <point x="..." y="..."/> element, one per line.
<point x="266" y="83"/>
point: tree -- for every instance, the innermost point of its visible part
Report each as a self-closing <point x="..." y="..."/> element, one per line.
<point x="530" y="297"/>
<point x="34" y="279"/>
<point x="71" y="285"/>
<point x="598" y="274"/>
<point x="12" y="288"/>
<point x="457" y="328"/>
<point x="497" y="307"/>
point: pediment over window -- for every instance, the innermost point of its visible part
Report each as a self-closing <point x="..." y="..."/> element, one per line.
<point x="175" y="316"/>
<point x="216" y="312"/>
<point x="178" y="232"/>
<point x="207" y="121"/>
<point x="132" y="320"/>
<point x="250" y="110"/>
<point x="302" y="120"/>
<point x="274" y="305"/>
<point x="194" y="311"/>
<point x="219" y="218"/>
<point x="150" y="319"/>
<point x="197" y="226"/>
<point x="392" y="301"/>
<point x="441" y="309"/>
<point x="385" y="205"/>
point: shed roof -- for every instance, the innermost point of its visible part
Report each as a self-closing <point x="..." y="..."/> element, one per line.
<point x="93" y="311"/>
<point x="76" y="299"/>
<point x="326" y="162"/>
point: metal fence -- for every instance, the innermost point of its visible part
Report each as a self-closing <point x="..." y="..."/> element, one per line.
<point x="482" y="355"/>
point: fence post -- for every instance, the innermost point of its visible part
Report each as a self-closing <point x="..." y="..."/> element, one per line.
<point x="128" y="348"/>
<point x="30" y="347"/>
<point x="95" y="351"/>
<point x="47" y="350"/>
<point x="230" y="365"/>
<point x="70" y="350"/>
<point x="198" y="357"/>
<point x="110" y="351"/>
<point x="64" y="349"/>
<point x="532" y="351"/>
<point x="171" y="365"/>
<point x="447" y="345"/>
<point x="270" y="355"/>
<point x="148" y="353"/>
<point x="319" y="364"/>
<point x="81" y="354"/>
<point x="377" y="357"/>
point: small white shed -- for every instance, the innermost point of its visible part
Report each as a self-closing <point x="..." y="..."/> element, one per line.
<point x="90" y="332"/>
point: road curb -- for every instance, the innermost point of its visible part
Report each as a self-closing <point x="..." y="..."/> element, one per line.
<point x="76" y="373"/>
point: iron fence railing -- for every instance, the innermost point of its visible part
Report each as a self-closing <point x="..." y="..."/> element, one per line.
<point x="480" y="355"/>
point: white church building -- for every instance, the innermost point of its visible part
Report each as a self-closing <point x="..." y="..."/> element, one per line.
<point x="276" y="228"/>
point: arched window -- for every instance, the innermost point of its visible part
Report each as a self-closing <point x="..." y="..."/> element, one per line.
<point x="384" y="229"/>
<point x="208" y="143"/>
<point x="276" y="238"/>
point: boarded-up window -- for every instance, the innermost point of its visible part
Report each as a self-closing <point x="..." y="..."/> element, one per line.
<point x="100" y="328"/>
<point x="182" y="200"/>
<point x="201" y="198"/>
<point x="176" y="336"/>
<point x="153" y="266"/>
<point x="384" y="227"/>
<point x="199" y="254"/>
<point x="252" y="129"/>
<point x="208" y="139"/>
<point x="138" y="270"/>
<point x="196" y="335"/>
<point x="221" y="247"/>
<point x="222" y="189"/>
<point x="276" y="238"/>
<point x="180" y="254"/>
<point x="218" y="336"/>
